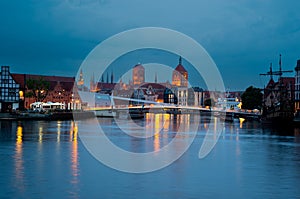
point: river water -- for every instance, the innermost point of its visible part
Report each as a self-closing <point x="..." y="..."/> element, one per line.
<point x="48" y="159"/>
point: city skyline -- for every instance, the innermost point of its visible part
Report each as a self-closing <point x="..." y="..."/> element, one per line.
<point x="243" y="38"/>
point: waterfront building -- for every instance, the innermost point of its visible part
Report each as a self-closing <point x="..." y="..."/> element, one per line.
<point x="9" y="91"/>
<point x="182" y="95"/>
<point x="138" y="74"/>
<point x="195" y="96"/>
<point x="138" y="94"/>
<point x="61" y="89"/>
<point x="154" y="91"/>
<point x="170" y="97"/>
<point x="297" y="85"/>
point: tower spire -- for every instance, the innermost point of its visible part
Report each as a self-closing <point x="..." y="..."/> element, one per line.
<point x="155" y="78"/>
<point x="180" y="60"/>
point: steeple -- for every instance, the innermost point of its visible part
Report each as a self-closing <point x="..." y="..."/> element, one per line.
<point x="155" y="78"/>
<point x="180" y="60"/>
<point x="80" y="81"/>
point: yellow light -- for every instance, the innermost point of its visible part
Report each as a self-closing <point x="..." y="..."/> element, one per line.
<point x="19" y="134"/>
<point x="21" y="93"/>
<point x="40" y="134"/>
<point x="240" y="105"/>
<point x="241" y="121"/>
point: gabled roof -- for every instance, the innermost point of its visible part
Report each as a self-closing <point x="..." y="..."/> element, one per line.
<point x="155" y="86"/>
<point x="66" y="83"/>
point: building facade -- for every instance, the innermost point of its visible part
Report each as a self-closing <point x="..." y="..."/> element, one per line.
<point x="61" y="89"/>
<point x="195" y="96"/>
<point x="138" y="74"/>
<point x="180" y="75"/>
<point x="9" y="91"/>
<point x="180" y="84"/>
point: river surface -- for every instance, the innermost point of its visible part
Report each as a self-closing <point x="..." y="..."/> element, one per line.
<point x="48" y="159"/>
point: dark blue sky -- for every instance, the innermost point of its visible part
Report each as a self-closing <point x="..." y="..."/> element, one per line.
<point x="243" y="37"/>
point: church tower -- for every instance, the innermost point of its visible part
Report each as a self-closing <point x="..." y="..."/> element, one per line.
<point x="138" y="74"/>
<point x="80" y="82"/>
<point x="180" y="75"/>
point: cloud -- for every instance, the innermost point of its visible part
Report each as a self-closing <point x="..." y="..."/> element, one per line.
<point x="238" y="34"/>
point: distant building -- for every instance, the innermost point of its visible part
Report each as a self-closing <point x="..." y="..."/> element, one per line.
<point x="297" y="85"/>
<point x="138" y="94"/>
<point x="180" y="75"/>
<point x="180" y="84"/>
<point x="195" y="96"/>
<point x="170" y="97"/>
<point x="138" y="74"/>
<point x="106" y="88"/>
<point x="154" y="91"/>
<point x="182" y="95"/>
<point x="80" y="82"/>
<point x="9" y="91"/>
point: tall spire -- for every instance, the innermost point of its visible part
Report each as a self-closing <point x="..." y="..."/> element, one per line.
<point x="180" y="60"/>
<point x="155" y="78"/>
<point x="81" y="80"/>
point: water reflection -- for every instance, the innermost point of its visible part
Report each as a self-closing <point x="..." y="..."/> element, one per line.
<point x="18" y="158"/>
<point x="25" y="165"/>
<point x="74" y="157"/>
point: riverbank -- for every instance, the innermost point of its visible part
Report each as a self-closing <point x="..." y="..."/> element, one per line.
<point x="60" y="115"/>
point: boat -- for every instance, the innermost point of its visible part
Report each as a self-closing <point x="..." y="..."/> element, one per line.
<point x="278" y="104"/>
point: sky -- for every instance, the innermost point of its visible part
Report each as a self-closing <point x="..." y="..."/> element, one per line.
<point x="53" y="37"/>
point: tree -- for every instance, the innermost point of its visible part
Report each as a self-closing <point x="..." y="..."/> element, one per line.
<point x="37" y="88"/>
<point x="252" y="98"/>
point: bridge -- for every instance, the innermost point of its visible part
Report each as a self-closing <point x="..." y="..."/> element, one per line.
<point x="146" y="106"/>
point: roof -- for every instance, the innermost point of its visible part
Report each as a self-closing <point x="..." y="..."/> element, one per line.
<point x="138" y="65"/>
<point x="180" y="68"/>
<point x="106" y="86"/>
<point x="66" y="83"/>
<point x="21" y="78"/>
<point x="155" y="86"/>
